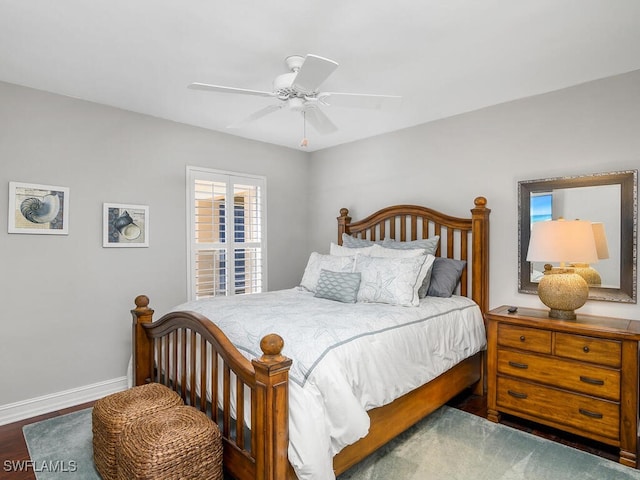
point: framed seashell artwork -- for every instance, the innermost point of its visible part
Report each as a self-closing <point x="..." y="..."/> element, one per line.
<point x="125" y="225"/>
<point x="38" y="209"/>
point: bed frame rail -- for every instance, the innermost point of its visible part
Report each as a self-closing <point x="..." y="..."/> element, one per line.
<point x="188" y="353"/>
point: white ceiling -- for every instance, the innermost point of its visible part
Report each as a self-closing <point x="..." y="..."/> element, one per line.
<point x="444" y="57"/>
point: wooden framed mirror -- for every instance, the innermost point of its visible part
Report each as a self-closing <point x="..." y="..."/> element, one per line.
<point x="609" y="198"/>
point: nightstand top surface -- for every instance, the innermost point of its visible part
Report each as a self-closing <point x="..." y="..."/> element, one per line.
<point x="582" y="324"/>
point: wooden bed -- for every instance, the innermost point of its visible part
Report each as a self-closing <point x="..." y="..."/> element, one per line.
<point x="173" y="351"/>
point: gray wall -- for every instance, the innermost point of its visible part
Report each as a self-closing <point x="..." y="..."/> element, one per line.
<point x="65" y="299"/>
<point x="445" y="164"/>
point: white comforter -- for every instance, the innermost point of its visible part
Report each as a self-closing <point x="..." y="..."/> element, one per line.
<point x="347" y="358"/>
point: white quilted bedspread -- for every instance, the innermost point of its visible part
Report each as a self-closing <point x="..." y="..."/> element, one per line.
<point x="347" y="358"/>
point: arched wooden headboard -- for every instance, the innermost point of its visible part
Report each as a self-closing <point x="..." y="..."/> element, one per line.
<point x="460" y="238"/>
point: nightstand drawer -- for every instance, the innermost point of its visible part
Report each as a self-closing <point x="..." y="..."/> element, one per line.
<point x="588" y="349"/>
<point x="583" y="378"/>
<point x="598" y="417"/>
<point x="525" y="338"/>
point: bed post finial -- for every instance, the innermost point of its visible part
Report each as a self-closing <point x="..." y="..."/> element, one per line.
<point x="142" y="361"/>
<point x="272" y="398"/>
<point x="480" y="202"/>
<point x="480" y="272"/>
<point x="271" y="346"/>
<point x="142" y="302"/>
<point x="343" y="221"/>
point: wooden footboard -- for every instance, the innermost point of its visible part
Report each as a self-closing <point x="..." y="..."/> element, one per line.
<point x="191" y="355"/>
<point x="188" y="353"/>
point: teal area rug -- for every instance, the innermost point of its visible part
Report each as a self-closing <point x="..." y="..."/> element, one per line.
<point x="61" y="447"/>
<point x="454" y="445"/>
<point x="448" y="445"/>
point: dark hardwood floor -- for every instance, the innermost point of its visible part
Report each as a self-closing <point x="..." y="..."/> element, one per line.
<point x="13" y="448"/>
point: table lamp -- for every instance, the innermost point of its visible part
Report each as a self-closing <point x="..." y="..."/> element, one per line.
<point x="563" y="241"/>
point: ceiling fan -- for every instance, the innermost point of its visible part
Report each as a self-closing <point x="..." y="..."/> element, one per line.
<point x="299" y="91"/>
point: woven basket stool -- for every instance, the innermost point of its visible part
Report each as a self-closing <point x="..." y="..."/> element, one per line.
<point x="112" y="413"/>
<point x="181" y="443"/>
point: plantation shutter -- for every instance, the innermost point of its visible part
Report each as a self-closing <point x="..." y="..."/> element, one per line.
<point x="226" y="230"/>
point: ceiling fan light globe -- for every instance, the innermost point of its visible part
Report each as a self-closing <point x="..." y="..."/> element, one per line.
<point x="296" y="104"/>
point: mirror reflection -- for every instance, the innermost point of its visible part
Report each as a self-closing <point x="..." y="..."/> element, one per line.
<point x="599" y="205"/>
<point x="609" y="202"/>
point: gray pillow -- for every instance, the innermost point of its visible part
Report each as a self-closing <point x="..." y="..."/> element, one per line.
<point x="339" y="286"/>
<point x="445" y="275"/>
<point x="430" y="245"/>
<point x="353" y="242"/>
<point x="424" y="288"/>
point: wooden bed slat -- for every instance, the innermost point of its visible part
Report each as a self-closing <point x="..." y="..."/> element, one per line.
<point x="226" y="401"/>
<point x="214" y="385"/>
<point x="203" y="373"/>
<point x="182" y="346"/>
<point x="192" y="368"/>
<point x="240" y="415"/>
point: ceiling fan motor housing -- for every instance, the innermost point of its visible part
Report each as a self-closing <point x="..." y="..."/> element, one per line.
<point x="294" y="62"/>
<point x="282" y="85"/>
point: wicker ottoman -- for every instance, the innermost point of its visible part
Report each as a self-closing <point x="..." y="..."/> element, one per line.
<point x="112" y="413"/>
<point x="181" y="443"/>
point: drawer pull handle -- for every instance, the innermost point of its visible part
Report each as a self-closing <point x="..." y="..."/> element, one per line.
<point x="592" y="381"/>
<point x="518" y="365"/>
<point x="588" y="413"/>
<point x="517" y="394"/>
<point x="585" y="349"/>
<point x="522" y="338"/>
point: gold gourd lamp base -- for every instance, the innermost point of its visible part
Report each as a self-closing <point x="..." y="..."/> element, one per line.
<point x="563" y="291"/>
<point x="590" y="274"/>
<point x="564" y="241"/>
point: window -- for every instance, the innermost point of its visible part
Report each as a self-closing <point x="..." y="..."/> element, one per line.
<point x="226" y="233"/>
<point x="541" y="207"/>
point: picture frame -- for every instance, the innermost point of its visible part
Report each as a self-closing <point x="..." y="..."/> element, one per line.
<point x="38" y="209"/>
<point x="125" y="225"/>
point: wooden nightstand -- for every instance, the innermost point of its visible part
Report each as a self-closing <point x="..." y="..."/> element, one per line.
<point x="580" y="376"/>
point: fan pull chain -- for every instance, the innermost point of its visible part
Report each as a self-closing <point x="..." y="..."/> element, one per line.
<point x="304" y="141"/>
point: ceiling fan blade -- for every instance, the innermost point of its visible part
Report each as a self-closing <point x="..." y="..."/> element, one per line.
<point x="256" y="115"/>
<point x="318" y="120"/>
<point x="358" y="100"/>
<point x="312" y="73"/>
<point x="221" y="89"/>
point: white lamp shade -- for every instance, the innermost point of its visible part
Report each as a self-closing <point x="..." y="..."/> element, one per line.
<point x="601" y="240"/>
<point x="569" y="241"/>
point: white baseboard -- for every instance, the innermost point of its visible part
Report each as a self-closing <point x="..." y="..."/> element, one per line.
<point x="13" y="412"/>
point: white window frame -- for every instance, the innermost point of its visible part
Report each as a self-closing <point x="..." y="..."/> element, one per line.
<point x="231" y="179"/>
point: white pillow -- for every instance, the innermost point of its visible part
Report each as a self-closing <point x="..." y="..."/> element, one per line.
<point x="380" y="251"/>
<point x="342" y="251"/>
<point x="392" y="280"/>
<point x="318" y="262"/>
